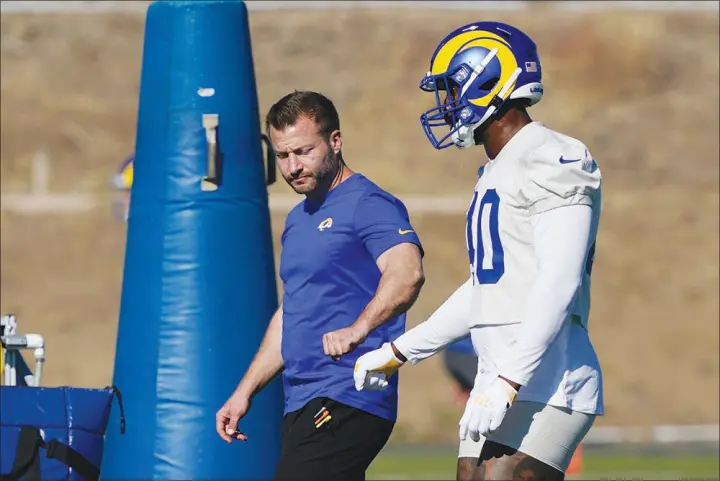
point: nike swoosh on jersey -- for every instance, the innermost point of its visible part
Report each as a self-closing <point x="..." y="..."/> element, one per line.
<point x="568" y="161"/>
<point x="403" y="232"/>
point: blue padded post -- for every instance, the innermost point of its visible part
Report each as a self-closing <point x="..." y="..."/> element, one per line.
<point x="199" y="277"/>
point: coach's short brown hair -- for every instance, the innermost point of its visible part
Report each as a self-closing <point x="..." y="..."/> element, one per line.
<point x="286" y="111"/>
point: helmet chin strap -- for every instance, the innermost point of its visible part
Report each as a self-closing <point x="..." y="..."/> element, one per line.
<point x="464" y="135"/>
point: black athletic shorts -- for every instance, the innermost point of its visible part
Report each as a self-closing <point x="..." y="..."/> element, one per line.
<point x="327" y="440"/>
<point x="462" y="366"/>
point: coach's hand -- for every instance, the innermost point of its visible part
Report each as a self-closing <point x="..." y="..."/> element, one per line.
<point x="228" y="416"/>
<point x="343" y="341"/>
<point x="374" y="368"/>
<point x="486" y="409"/>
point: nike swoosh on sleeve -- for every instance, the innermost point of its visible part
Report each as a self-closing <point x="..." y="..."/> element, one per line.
<point x="568" y="161"/>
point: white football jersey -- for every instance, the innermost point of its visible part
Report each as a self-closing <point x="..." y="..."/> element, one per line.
<point x="538" y="170"/>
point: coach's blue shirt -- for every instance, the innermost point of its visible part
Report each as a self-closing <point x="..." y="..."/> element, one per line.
<point x="329" y="274"/>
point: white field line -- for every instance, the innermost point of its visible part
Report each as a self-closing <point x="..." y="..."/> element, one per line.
<point x="49" y="203"/>
<point x="40" y="200"/>
<point x="660" y="434"/>
<point x="77" y="203"/>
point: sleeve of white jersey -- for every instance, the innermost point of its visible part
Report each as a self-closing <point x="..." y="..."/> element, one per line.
<point x="561" y="238"/>
<point x="449" y="323"/>
<point x="560" y="174"/>
<point x="562" y="187"/>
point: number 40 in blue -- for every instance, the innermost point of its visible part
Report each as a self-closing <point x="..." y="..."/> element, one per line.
<point x="489" y="206"/>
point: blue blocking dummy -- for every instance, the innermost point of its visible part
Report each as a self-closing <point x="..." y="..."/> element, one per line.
<point x="199" y="277"/>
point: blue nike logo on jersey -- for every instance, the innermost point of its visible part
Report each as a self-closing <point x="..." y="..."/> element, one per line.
<point x="568" y="161"/>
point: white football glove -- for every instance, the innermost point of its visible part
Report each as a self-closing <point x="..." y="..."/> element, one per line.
<point x="374" y="368"/>
<point x="486" y="409"/>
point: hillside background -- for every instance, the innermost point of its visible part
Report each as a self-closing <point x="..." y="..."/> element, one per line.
<point x="641" y="89"/>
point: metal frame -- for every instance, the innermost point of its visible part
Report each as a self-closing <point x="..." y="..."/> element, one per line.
<point x="13" y="369"/>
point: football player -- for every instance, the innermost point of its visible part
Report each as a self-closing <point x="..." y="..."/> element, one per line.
<point x="531" y="228"/>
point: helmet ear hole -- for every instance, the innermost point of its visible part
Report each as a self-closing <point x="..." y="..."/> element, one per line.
<point x="490" y="84"/>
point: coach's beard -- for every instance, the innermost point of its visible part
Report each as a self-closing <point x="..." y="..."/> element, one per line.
<point x="316" y="184"/>
<point x="309" y="183"/>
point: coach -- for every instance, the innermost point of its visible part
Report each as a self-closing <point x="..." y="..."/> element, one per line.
<point x="351" y="266"/>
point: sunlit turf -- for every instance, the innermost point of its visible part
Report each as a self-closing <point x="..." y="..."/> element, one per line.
<point x="596" y="466"/>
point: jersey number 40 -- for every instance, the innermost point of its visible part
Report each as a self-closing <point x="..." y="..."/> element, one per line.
<point x="487" y="258"/>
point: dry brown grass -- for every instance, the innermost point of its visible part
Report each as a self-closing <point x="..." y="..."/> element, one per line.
<point x="640" y="89"/>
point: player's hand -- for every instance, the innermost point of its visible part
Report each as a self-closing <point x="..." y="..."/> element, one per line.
<point x="228" y="416"/>
<point x="343" y="341"/>
<point x="374" y="368"/>
<point x="486" y="409"/>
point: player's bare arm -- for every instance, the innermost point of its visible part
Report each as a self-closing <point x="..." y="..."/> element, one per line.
<point x="266" y="364"/>
<point x="402" y="278"/>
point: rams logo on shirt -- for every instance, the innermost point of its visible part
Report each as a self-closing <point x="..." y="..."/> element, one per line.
<point x="326" y="224"/>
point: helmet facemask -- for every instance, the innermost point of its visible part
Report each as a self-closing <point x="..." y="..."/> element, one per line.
<point x="456" y="111"/>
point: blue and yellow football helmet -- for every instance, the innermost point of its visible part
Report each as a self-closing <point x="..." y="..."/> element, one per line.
<point x="122" y="181"/>
<point x="123" y="178"/>
<point x="479" y="66"/>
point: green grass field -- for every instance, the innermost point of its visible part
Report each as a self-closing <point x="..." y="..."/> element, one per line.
<point x="398" y="466"/>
